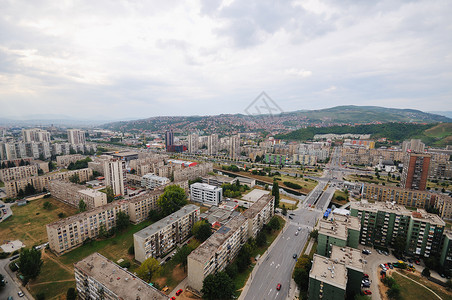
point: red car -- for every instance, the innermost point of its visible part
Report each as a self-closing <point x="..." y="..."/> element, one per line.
<point x="367" y="292"/>
<point x="278" y="287"/>
<point x="179" y="292"/>
<point x="173" y="298"/>
<point x="365" y="275"/>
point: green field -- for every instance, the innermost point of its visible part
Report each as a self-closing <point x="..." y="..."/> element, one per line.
<point x="28" y="223"/>
<point x="411" y="290"/>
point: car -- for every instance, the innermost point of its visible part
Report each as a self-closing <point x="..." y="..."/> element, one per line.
<point x="410" y="260"/>
<point x="278" y="287"/>
<point x="386" y="253"/>
<point x="366" y="285"/>
<point x="179" y="292"/>
<point x="367" y="252"/>
<point x="173" y="298"/>
<point x="10" y="298"/>
<point x="299" y="228"/>
<point x="294" y="256"/>
<point x="382" y="266"/>
<point x="417" y="262"/>
<point x="364" y="281"/>
<point x="442" y="275"/>
<point x="290" y="217"/>
<point x="296" y="233"/>
<point x="367" y="292"/>
<point x="390" y="266"/>
<point x="20" y="293"/>
<point x="378" y="251"/>
<point x="365" y="276"/>
<point x="386" y="266"/>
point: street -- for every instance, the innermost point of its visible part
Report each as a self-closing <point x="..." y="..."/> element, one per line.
<point x="11" y="287"/>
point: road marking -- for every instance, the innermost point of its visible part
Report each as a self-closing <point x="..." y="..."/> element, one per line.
<point x="270" y="291"/>
<point x="277" y="266"/>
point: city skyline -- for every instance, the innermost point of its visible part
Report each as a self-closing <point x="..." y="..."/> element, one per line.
<point x="138" y="60"/>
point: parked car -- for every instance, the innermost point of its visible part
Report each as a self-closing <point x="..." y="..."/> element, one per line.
<point x="386" y="253"/>
<point x="296" y="233"/>
<point x="390" y="266"/>
<point x="367" y="284"/>
<point x="365" y="276"/>
<point x="179" y="292"/>
<point x="173" y="298"/>
<point x="417" y="262"/>
<point x="20" y="293"/>
<point x="294" y="256"/>
<point x="367" y="292"/>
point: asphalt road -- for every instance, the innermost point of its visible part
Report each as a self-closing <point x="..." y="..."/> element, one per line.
<point x="11" y="288"/>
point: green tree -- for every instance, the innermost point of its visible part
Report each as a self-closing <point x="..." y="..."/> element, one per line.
<point x="399" y="244"/>
<point x="261" y="239"/>
<point x="244" y="257"/>
<point x="81" y="206"/>
<point x="110" y="194"/>
<point x="232" y="270"/>
<point x="172" y="199"/>
<point x="74" y="178"/>
<point x="71" y="294"/>
<point x="284" y="210"/>
<point x="218" y="287"/>
<point x="30" y="263"/>
<point x="102" y="231"/>
<point x="274" y="223"/>
<point x="122" y="221"/>
<point x="201" y="230"/>
<point x="426" y="272"/>
<point x="47" y="205"/>
<point x="275" y="193"/>
<point x="29" y="189"/>
<point x="394" y="292"/>
<point x="150" y="268"/>
<point x="154" y="215"/>
<point x="180" y="257"/>
<point x="2" y="282"/>
<point x="314" y="234"/>
<point x="449" y="284"/>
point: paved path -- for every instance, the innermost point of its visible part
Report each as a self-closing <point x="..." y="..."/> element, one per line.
<point x="419" y="284"/>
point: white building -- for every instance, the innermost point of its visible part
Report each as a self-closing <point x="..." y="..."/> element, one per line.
<point x="35" y="135"/>
<point x="114" y="176"/>
<point x="76" y="136"/>
<point x="206" y="194"/>
<point x="151" y="181"/>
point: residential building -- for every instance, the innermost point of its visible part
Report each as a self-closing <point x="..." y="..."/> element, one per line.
<point x="218" y="180"/>
<point x="99" y="278"/>
<point x="446" y="253"/>
<point x="413" y="145"/>
<point x="206" y="194"/>
<point x="275" y="159"/>
<point x="35" y="135"/>
<point x="71" y="194"/>
<point x="190" y="173"/>
<point x="440" y="169"/>
<point x="66" y="234"/>
<point x="444" y="205"/>
<point x="234" y="147"/>
<point x="193" y="143"/>
<point x="12" y="188"/>
<point x="76" y="136"/>
<point x="353" y="260"/>
<point x="338" y="230"/>
<point x="259" y="214"/>
<point x="217" y="251"/>
<point x="114" y="175"/>
<point x="17" y="173"/>
<point x="383" y="223"/>
<point x="415" y="171"/>
<point x="212" y="144"/>
<point x="65" y="160"/>
<point x="151" y="181"/>
<point x="327" y="279"/>
<point x="169" y="138"/>
<point x="163" y="236"/>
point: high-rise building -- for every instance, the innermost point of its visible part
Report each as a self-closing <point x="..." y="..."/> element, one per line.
<point x="35" y="135"/>
<point x="212" y="144"/>
<point x="193" y="143"/>
<point x="413" y="145"/>
<point x="234" y="147"/>
<point x="169" y="139"/>
<point x="76" y="136"/>
<point x="415" y="171"/>
<point x="114" y="176"/>
<point x="206" y="194"/>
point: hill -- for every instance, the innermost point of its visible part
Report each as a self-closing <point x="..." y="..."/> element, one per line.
<point x="431" y="134"/>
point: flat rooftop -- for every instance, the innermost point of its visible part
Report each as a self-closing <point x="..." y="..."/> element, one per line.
<point x="337" y="225"/>
<point x="255" y="195"/>
<point x="352" y="258"/>
<point x="257" y="206"/>
<point x="157" y="226"/>
<point x="207" y="249"/>
<point x="220" y="178"/>
<point x="205" y="186"/>
<point x="328" y="271"/>
<point x="123" y="283"/>
<point x="91" y="192"/>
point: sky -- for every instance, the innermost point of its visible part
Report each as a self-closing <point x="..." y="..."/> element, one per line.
<point x="124" y="59"/>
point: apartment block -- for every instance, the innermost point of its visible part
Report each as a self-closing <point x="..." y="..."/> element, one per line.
<point x="275" y="159"/>
<point x="234" y="147"/>
<point x="259" y="214"/>
<point x="163" y="236"/>
<point x="71" y="194"/>
<point x="114" y="175"/>
<point x="338" y="230"/>
<point x="35" y="135"/>
<point x="96" y="277"/>
<point x="151" y="181"/>
<point x="218" y="180"/>
<point x="76" y="136"/>
<point x="190" y="173"/>
<point x="444" y="205"/>
<point x="415" y="171"/>
<point x="17" y="173"/>
<point x="206" y="194"/>
<point x="40" y="182"/>
<point x="69" y="233"/>
<point x="446" y="253"/>
<point x="65" y="160"/>
<point x="353" y="260"/>
<point x="401" y="196"/>
<point x="327" y="279"/>
<point x="217" y="251"/>
<point x="439" y="169"/>
<point x="383" y="223"/>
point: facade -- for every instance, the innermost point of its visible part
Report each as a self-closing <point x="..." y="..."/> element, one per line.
<point x="415" y="171"/>
<point x="190" y="173"/>
<point x="114" y="176"/>
<point x="65" y="160"/>
<point x="193" y="143"/>
<point x="169" y="138"/>
<point x="383" y="223"/>
<point x="327" y="279"/>
<point x="414" y="145"/>
<point x="40" y="182"/>
<point x="217" y="251"/>
<point x="259" y="214"/>
<point x="446" y="253"/>
<point x="76" y="136"/>
<point x="35" y="135"/>
<point x="71" y="194"/>
<point x="164" y="235"/>
<point x="234" y="147"/>
<point x="212" y="144"/>
<point x="66" y="234"/>
<point x="99" y="278"/>
<point x="444" y="206"/>
<point x="401" y="196"/>
<point x="151" y="181"/>
<point x="353" y="260"/>
<point x="206" y="194"/>
<point x="275" y="159"/>
<point x="339" y="230"/>
<point x="17" y="173"/>
<point x="440" y="169"/>
<point x="218" y="180"/>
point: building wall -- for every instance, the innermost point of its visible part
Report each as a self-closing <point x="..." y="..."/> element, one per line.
<point x="324" y="241"/>
<point x="209" y="195"/>
<point x="18" y="173"/>
<point x="328" y="291"/>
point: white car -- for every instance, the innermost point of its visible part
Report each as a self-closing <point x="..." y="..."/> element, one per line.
<point x="20" y="294"/>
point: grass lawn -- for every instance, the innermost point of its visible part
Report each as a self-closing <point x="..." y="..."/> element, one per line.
<point x="343" y="197"/>
<point x="410" y="290"/>
<point x="306" y="185"/>
<point x="2" y="184"/>
<point x="28" y="223"/>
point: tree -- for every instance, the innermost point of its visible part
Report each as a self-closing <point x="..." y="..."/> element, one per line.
<point x="394" y="292"/>
<point x="74" y="178"/>
<point x="81" y="206"/>
<point x="154" y="215"/>
<point x="71" y="294"/>
<point x="150" y="268"/>
<point x="399" y="244"/>
<point x="30" y="263"/>
<point x="275" y="193"/>
<point x="261" y="239"/>
<point x="284" y="210"/>
<point x="426" y="272"/>
<point x="172" y="199"/>
<point x="201" y="230"/>
<point x="232" y="270"/>
<point x="122" y="221"/>
<point x="29" y="189"/>
<point x="244" y="257"/>
<point x="218" y="287"/>
<point x="102" y="231"/>
<point x="52" y="166"/>
<point x="274" y="223"/>
<point x="47" y="205"/>
<point x="314" y="234"/>
<point x="110" y="194"/>
<point x="181" y="255"/>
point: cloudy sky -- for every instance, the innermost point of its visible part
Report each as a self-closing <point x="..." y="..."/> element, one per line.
<point x="133" y="59"/>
